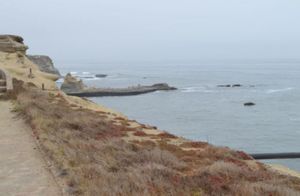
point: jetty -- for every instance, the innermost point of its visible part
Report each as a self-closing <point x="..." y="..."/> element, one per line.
<point x="101" y="92"/>
<point x="73" y="86"/>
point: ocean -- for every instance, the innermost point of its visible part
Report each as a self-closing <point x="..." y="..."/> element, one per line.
<point x="199" y="110"/>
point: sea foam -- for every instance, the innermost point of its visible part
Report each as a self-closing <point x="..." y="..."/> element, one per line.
<point x="279" y="90"/>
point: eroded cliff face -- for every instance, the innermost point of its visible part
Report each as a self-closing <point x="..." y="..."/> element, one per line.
<point x="13" y="60"/>
<point x="15" y="44"/>
<point x="12" y="44"/>
<point x="45" y="63"/>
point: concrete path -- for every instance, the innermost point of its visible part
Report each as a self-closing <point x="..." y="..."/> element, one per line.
<point x="22" y="170"/>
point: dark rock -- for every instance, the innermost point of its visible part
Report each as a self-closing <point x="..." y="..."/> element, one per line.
<point x="163" y="86"/>
<point x="44" y="63"/>
<point x="229" y="85"/>
<point x="224" y="85"/>
<point x="249" y="104"/>
<point x="100" y="75"/>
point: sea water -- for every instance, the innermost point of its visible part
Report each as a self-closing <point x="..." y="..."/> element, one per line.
<point x="199" y="110"/>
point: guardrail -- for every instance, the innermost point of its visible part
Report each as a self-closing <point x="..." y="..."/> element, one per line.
<point x="287" y="155"/>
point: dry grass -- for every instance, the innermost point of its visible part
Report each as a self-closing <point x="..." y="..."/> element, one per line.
<point x="91" y="158"/>
<point x="194" y="145"/>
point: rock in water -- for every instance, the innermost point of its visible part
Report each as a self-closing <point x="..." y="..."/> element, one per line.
<point x="45" y="63"/>
<point x="72" y="84"/>
<point x="236" y="85"/>
<point x="249" y="104"/>
<point x="163" y="86"/>
<point x="224" y="85"/>
<point x="229" y="85"/>
<point x="100" y="75"/>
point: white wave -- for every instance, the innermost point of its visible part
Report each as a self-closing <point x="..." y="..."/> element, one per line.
<point x="61" y="80"/>
<point x="196" y="89"/>
<point x="94" y="78"/>
<point x="86" y="76"/>
<point x="279" y="90"/>
<point x="73" y="72"/>
<point x="295" y="119"/>
<point x="86" y="73"/>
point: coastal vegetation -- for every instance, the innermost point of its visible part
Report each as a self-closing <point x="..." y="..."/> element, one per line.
<point x="100" y="153"/>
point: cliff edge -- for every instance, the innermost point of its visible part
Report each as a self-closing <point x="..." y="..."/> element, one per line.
<point x="45" y="63"/>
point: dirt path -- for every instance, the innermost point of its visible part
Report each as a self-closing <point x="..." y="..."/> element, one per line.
<point x="22" y="170"/>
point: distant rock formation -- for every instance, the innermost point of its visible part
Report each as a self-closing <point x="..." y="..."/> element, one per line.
<point x="224" y="85"/>
<point x="45" y="63"/>
<point x="163" y="87"/>
<point x="101" y="75"/>
<point x="229" y="85"/>
<point x="12" y="44"/>
<point x="249" y="104"/>
<point x="72" y="84"/>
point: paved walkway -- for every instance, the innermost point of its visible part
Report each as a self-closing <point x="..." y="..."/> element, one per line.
<point x="22" y="169"/>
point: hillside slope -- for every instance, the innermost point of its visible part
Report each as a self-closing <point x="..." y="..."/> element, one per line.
<point x="96" y="151"/>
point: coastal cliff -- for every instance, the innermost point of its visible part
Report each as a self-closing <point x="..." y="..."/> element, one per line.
<point x="93" y="150"/>
<point x="45" y="63"/>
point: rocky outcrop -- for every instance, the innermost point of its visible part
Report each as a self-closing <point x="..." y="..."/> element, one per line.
<point x="12" y="44"/>
<point x="163" y="87"/>
<point x="249" y="104"/>
<point x="236" y="85"/>
<point x="229" y="85"/>
<point x="75" y="87"/>
<point x="101" y="75"/>
<point x="45" y="63"/>
<point x="72" y="84"/>
<point x="224" y="85"/>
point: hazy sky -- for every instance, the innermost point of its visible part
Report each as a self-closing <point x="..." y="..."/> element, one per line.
<point x="155" y="30"/>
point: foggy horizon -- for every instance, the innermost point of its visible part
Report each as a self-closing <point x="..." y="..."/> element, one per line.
<point x="169" y="31"/>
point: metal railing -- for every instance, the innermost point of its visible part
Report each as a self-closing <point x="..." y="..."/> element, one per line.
<point x="287" y="155"/>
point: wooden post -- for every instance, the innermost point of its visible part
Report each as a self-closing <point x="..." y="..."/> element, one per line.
<point x="43" y="86"/>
